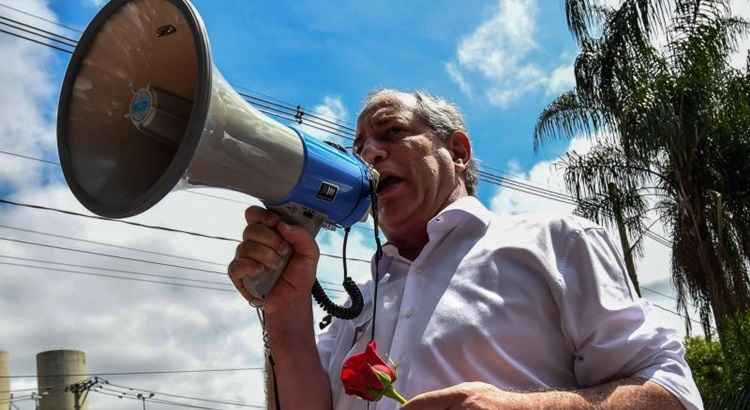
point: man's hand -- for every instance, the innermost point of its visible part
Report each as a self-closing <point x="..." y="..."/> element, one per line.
<point x="469" y="396"/>
<point x="265" y="242"/>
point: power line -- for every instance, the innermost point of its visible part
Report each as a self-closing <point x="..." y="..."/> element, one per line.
<point x="63" y="248"/>
<point x="29" y="158"/>
<point x="128" y="248"/>
<point x="266" y="107"/>
<point x="129" y="389"/>
<point x="101" y="218"/>
<point x="72" y="265"/>
<point x="115" y="256"/>
<point x="157" y="282"/>
<point x="40" y="18"/>
<point x="495" y="180"/>
<point x="140" y="225"/>
<point x="18" y="390"/>
<point x="104" y="275"/>
<point x="35" y="31"/>
<point x="680" y="315"/>
<point x="136" y="373"/>
<point x="34" y="41"/>
<point x="105" y="392"/>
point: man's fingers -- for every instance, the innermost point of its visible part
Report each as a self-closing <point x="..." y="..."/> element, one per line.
<point x="262" y="254"/>
<point x="302" y="241"/>
<point x="238" y="270"/>
<point x="259" y="215"/>
<point x="267" y="236"/>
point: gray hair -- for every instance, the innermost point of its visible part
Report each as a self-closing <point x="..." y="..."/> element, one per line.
<point x="442" y="116"/>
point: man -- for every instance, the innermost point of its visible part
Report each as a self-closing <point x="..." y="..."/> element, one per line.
<point x="477" y="310"/>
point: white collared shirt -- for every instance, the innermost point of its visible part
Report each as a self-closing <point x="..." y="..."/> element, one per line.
<point x="519" y="302"/>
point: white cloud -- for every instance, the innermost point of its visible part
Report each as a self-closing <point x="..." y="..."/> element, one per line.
<point x="561" y="79"/>
<point x="24" y="122"/>
<point x="738" y="59"/>
<point x="94" y="3"/>
<point x="497" y="55"/>
<point x="333" y="110"/>
<point x="458" y="78"/>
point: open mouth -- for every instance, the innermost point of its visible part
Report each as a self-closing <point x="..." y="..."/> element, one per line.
<point x="388" y="182"/>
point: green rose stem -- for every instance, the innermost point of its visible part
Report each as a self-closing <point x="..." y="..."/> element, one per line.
<point x="388" y="389"/>
<point x="394" y="394"/>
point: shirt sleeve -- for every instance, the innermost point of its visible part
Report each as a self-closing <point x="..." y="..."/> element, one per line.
<point x="613" y="332"/>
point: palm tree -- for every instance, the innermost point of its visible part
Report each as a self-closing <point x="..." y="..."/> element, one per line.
<point x="671" y="126"/>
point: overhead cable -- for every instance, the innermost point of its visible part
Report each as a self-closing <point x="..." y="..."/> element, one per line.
<point x="36" y="16"/>
<point x="141" y="225"/>
<point x="135" y="373"/>
<point x="129" y="389"/>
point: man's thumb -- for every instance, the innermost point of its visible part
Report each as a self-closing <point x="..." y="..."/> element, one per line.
<point x="300" y="239"/>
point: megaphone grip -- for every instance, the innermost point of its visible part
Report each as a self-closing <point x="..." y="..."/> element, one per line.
<point x="292" y="214"/>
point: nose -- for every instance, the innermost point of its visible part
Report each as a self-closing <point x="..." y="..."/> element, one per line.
<point x="372" y="152"/>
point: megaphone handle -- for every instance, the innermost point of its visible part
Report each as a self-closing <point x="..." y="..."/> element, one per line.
<point x="292" y="214"/>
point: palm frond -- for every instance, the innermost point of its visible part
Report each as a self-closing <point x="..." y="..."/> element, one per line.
<point x="567" y="116"/>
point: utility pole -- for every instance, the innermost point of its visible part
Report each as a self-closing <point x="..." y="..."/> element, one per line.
<point x="80" y="392"/>
<point x="143" y="398"/>
<point x="61" y="368"/>
<point x="614" y="196"/>
<point x="5" y="379"/>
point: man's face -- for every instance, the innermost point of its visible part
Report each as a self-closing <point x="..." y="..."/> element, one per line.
<point x="417" y="173"/>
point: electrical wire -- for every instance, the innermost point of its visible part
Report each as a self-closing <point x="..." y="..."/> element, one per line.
<point x="63" y="248"/>
<point x="26" y="28"/>
<point x="140" y="225"/>
<point x="188" y="191"/>
<point x="40" y="18"/>
<point x="104" y="275"/>
<point x="34" y="41"/>
<point x="181" y="396"/>
<point x="136" y="373"/>
<point x="680" y="315"/>
<point x="72" y="265"/>
<point x="128" y="248"/>
<point x="156" y="282"/>
<point x="151" y="400"/>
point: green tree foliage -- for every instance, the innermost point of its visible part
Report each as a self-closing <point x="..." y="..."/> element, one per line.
<point x="722" y="371"/>
<point x="671" y="127"/>
<point x="706" y="361"/>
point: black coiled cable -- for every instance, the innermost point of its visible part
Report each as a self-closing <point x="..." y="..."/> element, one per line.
<point x="334" y="310"/>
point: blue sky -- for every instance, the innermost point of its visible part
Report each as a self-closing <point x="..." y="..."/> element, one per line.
<point x="501" y="61"/>
<point x="302" y="51"/>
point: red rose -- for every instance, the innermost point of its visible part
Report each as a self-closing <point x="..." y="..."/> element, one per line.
<point x="368" y="376"/>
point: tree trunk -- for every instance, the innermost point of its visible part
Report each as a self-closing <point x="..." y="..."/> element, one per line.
<point x="624" y="242"/>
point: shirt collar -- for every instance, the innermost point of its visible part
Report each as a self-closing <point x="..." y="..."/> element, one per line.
<point x="464" y="209"/>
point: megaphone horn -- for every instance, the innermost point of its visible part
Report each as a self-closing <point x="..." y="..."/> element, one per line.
<point x="143" y="112"/>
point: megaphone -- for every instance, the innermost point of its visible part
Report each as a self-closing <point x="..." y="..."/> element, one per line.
<point x="143" y="111"/>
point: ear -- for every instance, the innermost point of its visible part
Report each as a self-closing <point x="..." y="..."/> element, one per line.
<point x="460" y="147"/>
